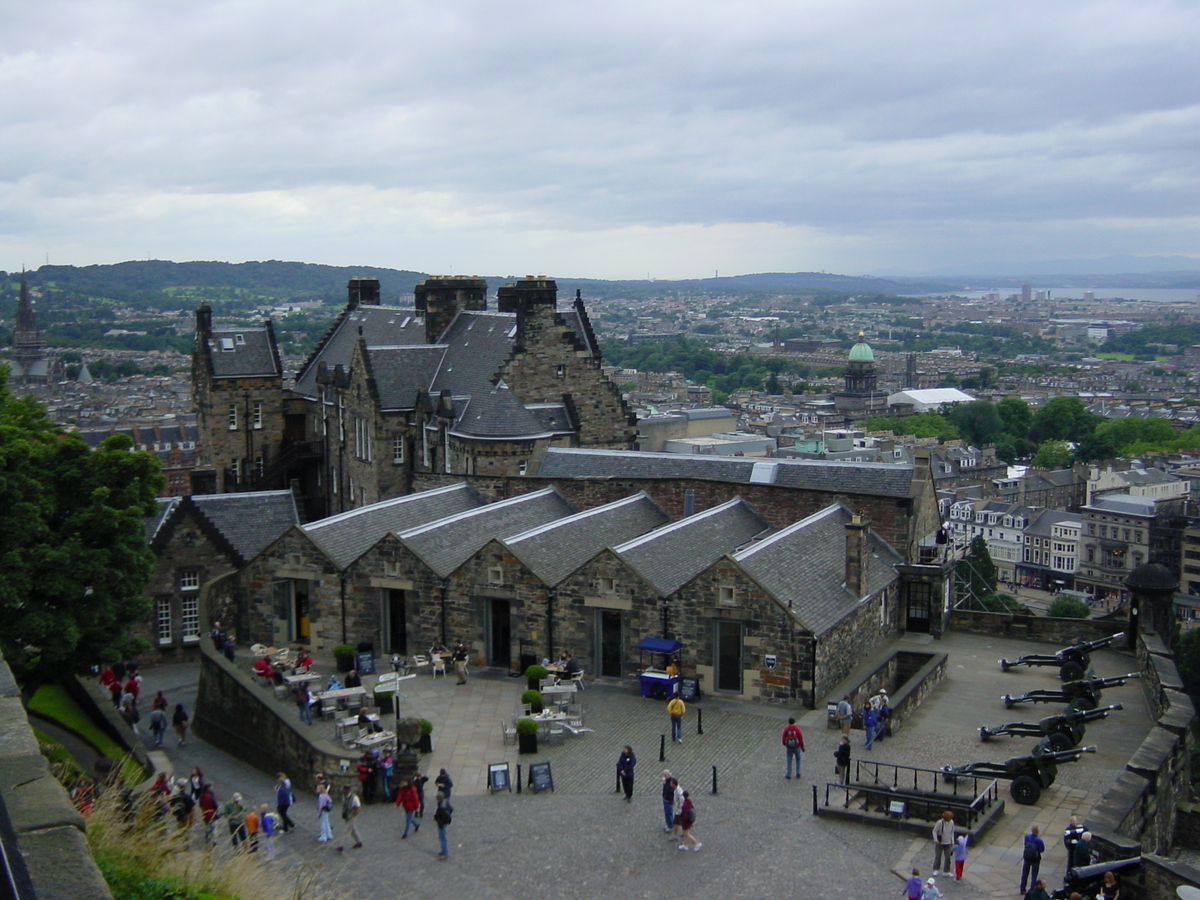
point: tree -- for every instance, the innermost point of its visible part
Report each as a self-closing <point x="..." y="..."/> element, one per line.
<point x="1062" y="419"/>
<point x="74" y="561"/>
<point x="977" y="421"/>
<point x="1068" y="608"/>
<point x="975" y="573"/>
<point x="1015" y="417"/>
<point x="1053" y="455"/>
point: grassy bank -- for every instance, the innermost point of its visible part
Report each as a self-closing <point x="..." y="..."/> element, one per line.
<point x="54" y="703"/>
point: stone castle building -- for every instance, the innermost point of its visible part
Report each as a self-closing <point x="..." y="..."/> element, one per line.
<point x="861" y="398"/>
<point x="447" y="386"/>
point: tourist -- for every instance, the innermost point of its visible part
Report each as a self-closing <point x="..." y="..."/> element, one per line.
<point x="960" y="855"/>
<point x="283" y="802"/>
<point x="351" y="806"/>
<point x="407" y="799"/>
<point x="841" y="758"/>
<point x="625" y="765"/>
<point x="158" y="725"/>
<point x="443" y="783"/>
<point x="442" y="816"/>
<point x="675" y="709"/>
<point x="844" y="715"/>
<point x="943" y="843"/>
<point x="793" y="743"/>
<point x="180" y="720"/>
<point x="689" y="820"/>
<point x="1031" y="857"/>
<point x="870" y="720"/>
<point x="668" y="799"/>
<point x="324" y="806"/>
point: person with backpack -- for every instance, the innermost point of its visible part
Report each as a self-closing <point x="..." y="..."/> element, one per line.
<point x="1031" y="857"/>
<point x="158" y="725"/>
<point x="442" y="816"/>
<point x="324" y="806"/>
<point x="689" y="819"/>
<point x="793" y="741"/>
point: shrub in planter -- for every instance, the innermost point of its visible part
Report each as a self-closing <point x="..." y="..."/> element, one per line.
<point x="425" y="744"/>
<point x="534" y="675"/>
<point x="527" y="736"/>
<point x="533" y="699"/>
<point x="344" y="655"/>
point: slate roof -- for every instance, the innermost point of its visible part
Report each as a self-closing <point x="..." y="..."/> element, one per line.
<point x="346" y="536"/>
<point x="164" y="507"/>
<point x="399" y="371"/>
<point x="1123" y="503"/>
<point x="390" y="326"/>
<point x="254" y="355"/>
<point x="554" y="551"/>
<point x="804" y="568"/>
<point x="447" y="543"/>
<point x="1042" y="521"/>
<point x="249" y="521"/>
<point x="673" y="555"/>
<point x="880" y="479"/>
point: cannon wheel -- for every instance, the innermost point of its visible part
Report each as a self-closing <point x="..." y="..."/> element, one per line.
<point x="1026" y="790"/>
<point x="1087" y="704"/>
<point x="1059" y="741"/>
<point x="1071" y="671"/>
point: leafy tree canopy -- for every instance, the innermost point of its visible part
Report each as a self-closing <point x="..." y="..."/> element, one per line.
<point x="1068" y="608"/>
<point x="1015" y="417"/>
<point x="922" y="425"/>
<point x="978" y="422"/>
<point x="1062" y="419"/>
<point x="1053" y="455"/>
<point x="73" y="556"/>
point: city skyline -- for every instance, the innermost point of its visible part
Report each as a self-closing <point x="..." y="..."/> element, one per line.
<point x="631" y="141"/>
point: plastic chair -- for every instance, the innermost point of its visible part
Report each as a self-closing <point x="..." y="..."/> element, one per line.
<point x="508" y="732"/>
<point x="577" y="677"/>
<point x="439" y="665"/>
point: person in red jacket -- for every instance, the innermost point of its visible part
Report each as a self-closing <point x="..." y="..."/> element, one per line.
<point x="408" y="798"/>
<point x="793" y="741"/>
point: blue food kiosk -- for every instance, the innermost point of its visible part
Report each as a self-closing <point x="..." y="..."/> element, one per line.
<point x="654" y="681"/>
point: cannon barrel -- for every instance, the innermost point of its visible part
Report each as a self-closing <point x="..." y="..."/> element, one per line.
<point x="1084" y="874"/>
<point x="1114" y="681"/>
<point x="1099" y="643"/>
<point x="1060" y="756"/>
<point x="1078" y="716"/>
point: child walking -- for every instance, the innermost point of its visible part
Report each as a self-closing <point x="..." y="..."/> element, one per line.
<point x="960" y="856"/>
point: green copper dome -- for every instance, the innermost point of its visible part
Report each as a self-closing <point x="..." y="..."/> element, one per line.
<point x="861" y="352"/>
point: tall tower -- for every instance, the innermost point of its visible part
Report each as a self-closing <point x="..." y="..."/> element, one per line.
<point x="29" y="359"/>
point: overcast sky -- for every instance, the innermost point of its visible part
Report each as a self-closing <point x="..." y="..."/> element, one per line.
<point x="610" y="140"/>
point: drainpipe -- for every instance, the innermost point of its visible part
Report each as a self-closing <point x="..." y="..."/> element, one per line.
<point x="445" y="589"/>
<point x="342" y="587"/>
<point x="551" y="593"/>
<point x="665" y="603"/>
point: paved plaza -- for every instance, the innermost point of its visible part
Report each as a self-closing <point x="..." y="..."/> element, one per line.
<point x="758" y="831"/>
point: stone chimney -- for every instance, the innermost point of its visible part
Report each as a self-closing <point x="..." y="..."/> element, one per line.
<point x="858" y="534"/>
<point x="439" y="300"/>
<point x="363" y="292"/>
<point x="204" y="320"/>
<point x="535" y="301"/>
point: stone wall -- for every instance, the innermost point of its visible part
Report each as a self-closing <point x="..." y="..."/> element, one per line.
<point x="1138" y="815"/>
<point x="1036" y="628"/>
<point x="242" y="718"/>
<point x="840" y="650"/>
<point x="50" y="831"/>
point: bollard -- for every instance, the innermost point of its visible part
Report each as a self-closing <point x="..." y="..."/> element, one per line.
<point x="714" y="790"/>
<point x="699" y="721"/>
<point x="662" y="748"/>
<point x="814" y="787"/>
<point x="518" y="778"/>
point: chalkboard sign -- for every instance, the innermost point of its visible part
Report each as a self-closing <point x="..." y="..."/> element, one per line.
<point x="498" y="777"/>
<point x="366" y="664"/>
<point x="540" y="777"/>
<point x="689" y="689"/>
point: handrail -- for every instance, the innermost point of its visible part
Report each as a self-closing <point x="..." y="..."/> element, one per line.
<point x="925" y="805"/>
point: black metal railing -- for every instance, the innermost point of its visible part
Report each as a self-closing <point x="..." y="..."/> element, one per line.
<point x="922" y="791"/>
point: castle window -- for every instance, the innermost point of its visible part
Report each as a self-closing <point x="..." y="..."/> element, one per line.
<point x="189" y="617"/>
<point x="608" y="586"/>
<point x="397" y="449"/>
<point x="560" y="370"/>
<point x="257" y="414"/>
<point x="495" y="575"/>
<point x="333" y="479"/>
<point x="189" y="580"/>
<point x="522" y="467"/>
<point x="726" y="596"/>
<point x="162" y="609"/>
<point x="233" y="417"/>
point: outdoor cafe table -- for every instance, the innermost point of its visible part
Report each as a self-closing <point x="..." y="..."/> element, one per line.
<point x="341" y="694"/>
<point x="352" y="722"/>
<point x="298" y="679"/>
<point x="567" y="687"/>
<point x="376" y="739"/>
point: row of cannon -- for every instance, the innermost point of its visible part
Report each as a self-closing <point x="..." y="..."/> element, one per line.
<point x="1059" y="736"/>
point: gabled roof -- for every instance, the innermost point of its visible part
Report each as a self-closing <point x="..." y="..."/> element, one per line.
<point x="377" y="325"/>
<point x="555" y="550"/>
<point x="249" y="521"/>
<point x="673" y="555"/>
<point x="1123" y="503"/>
<point x="1042" y="521"/>
<point x="241" y="525"/>
<point x="238" y="352"/>
<point x="880" y="479"/>
<point x="347" y="536"/>
<point x="400" y="371"/>
<point x="446" y="544"/>
<point x="804" y="568"/>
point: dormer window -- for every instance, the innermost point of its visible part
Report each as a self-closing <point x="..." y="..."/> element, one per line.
<point x="239" y="339"/>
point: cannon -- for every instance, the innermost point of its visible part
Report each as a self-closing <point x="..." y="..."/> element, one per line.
<point x="1087" y="879"/>
<point x="1084" y="694"/>
<point x="1072" y="662"/>
<point x="1029" y="774"/>
<point x="1063" y="731"/>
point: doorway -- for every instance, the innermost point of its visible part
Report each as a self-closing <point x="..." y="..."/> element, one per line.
<point x="919" y="609"/>
<point x="283" y="612"/>
<point x="499" y="633"/>
<point x="608" y="641"/>
<point x="395" y="625"/>
<point x="729" y="657"/>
